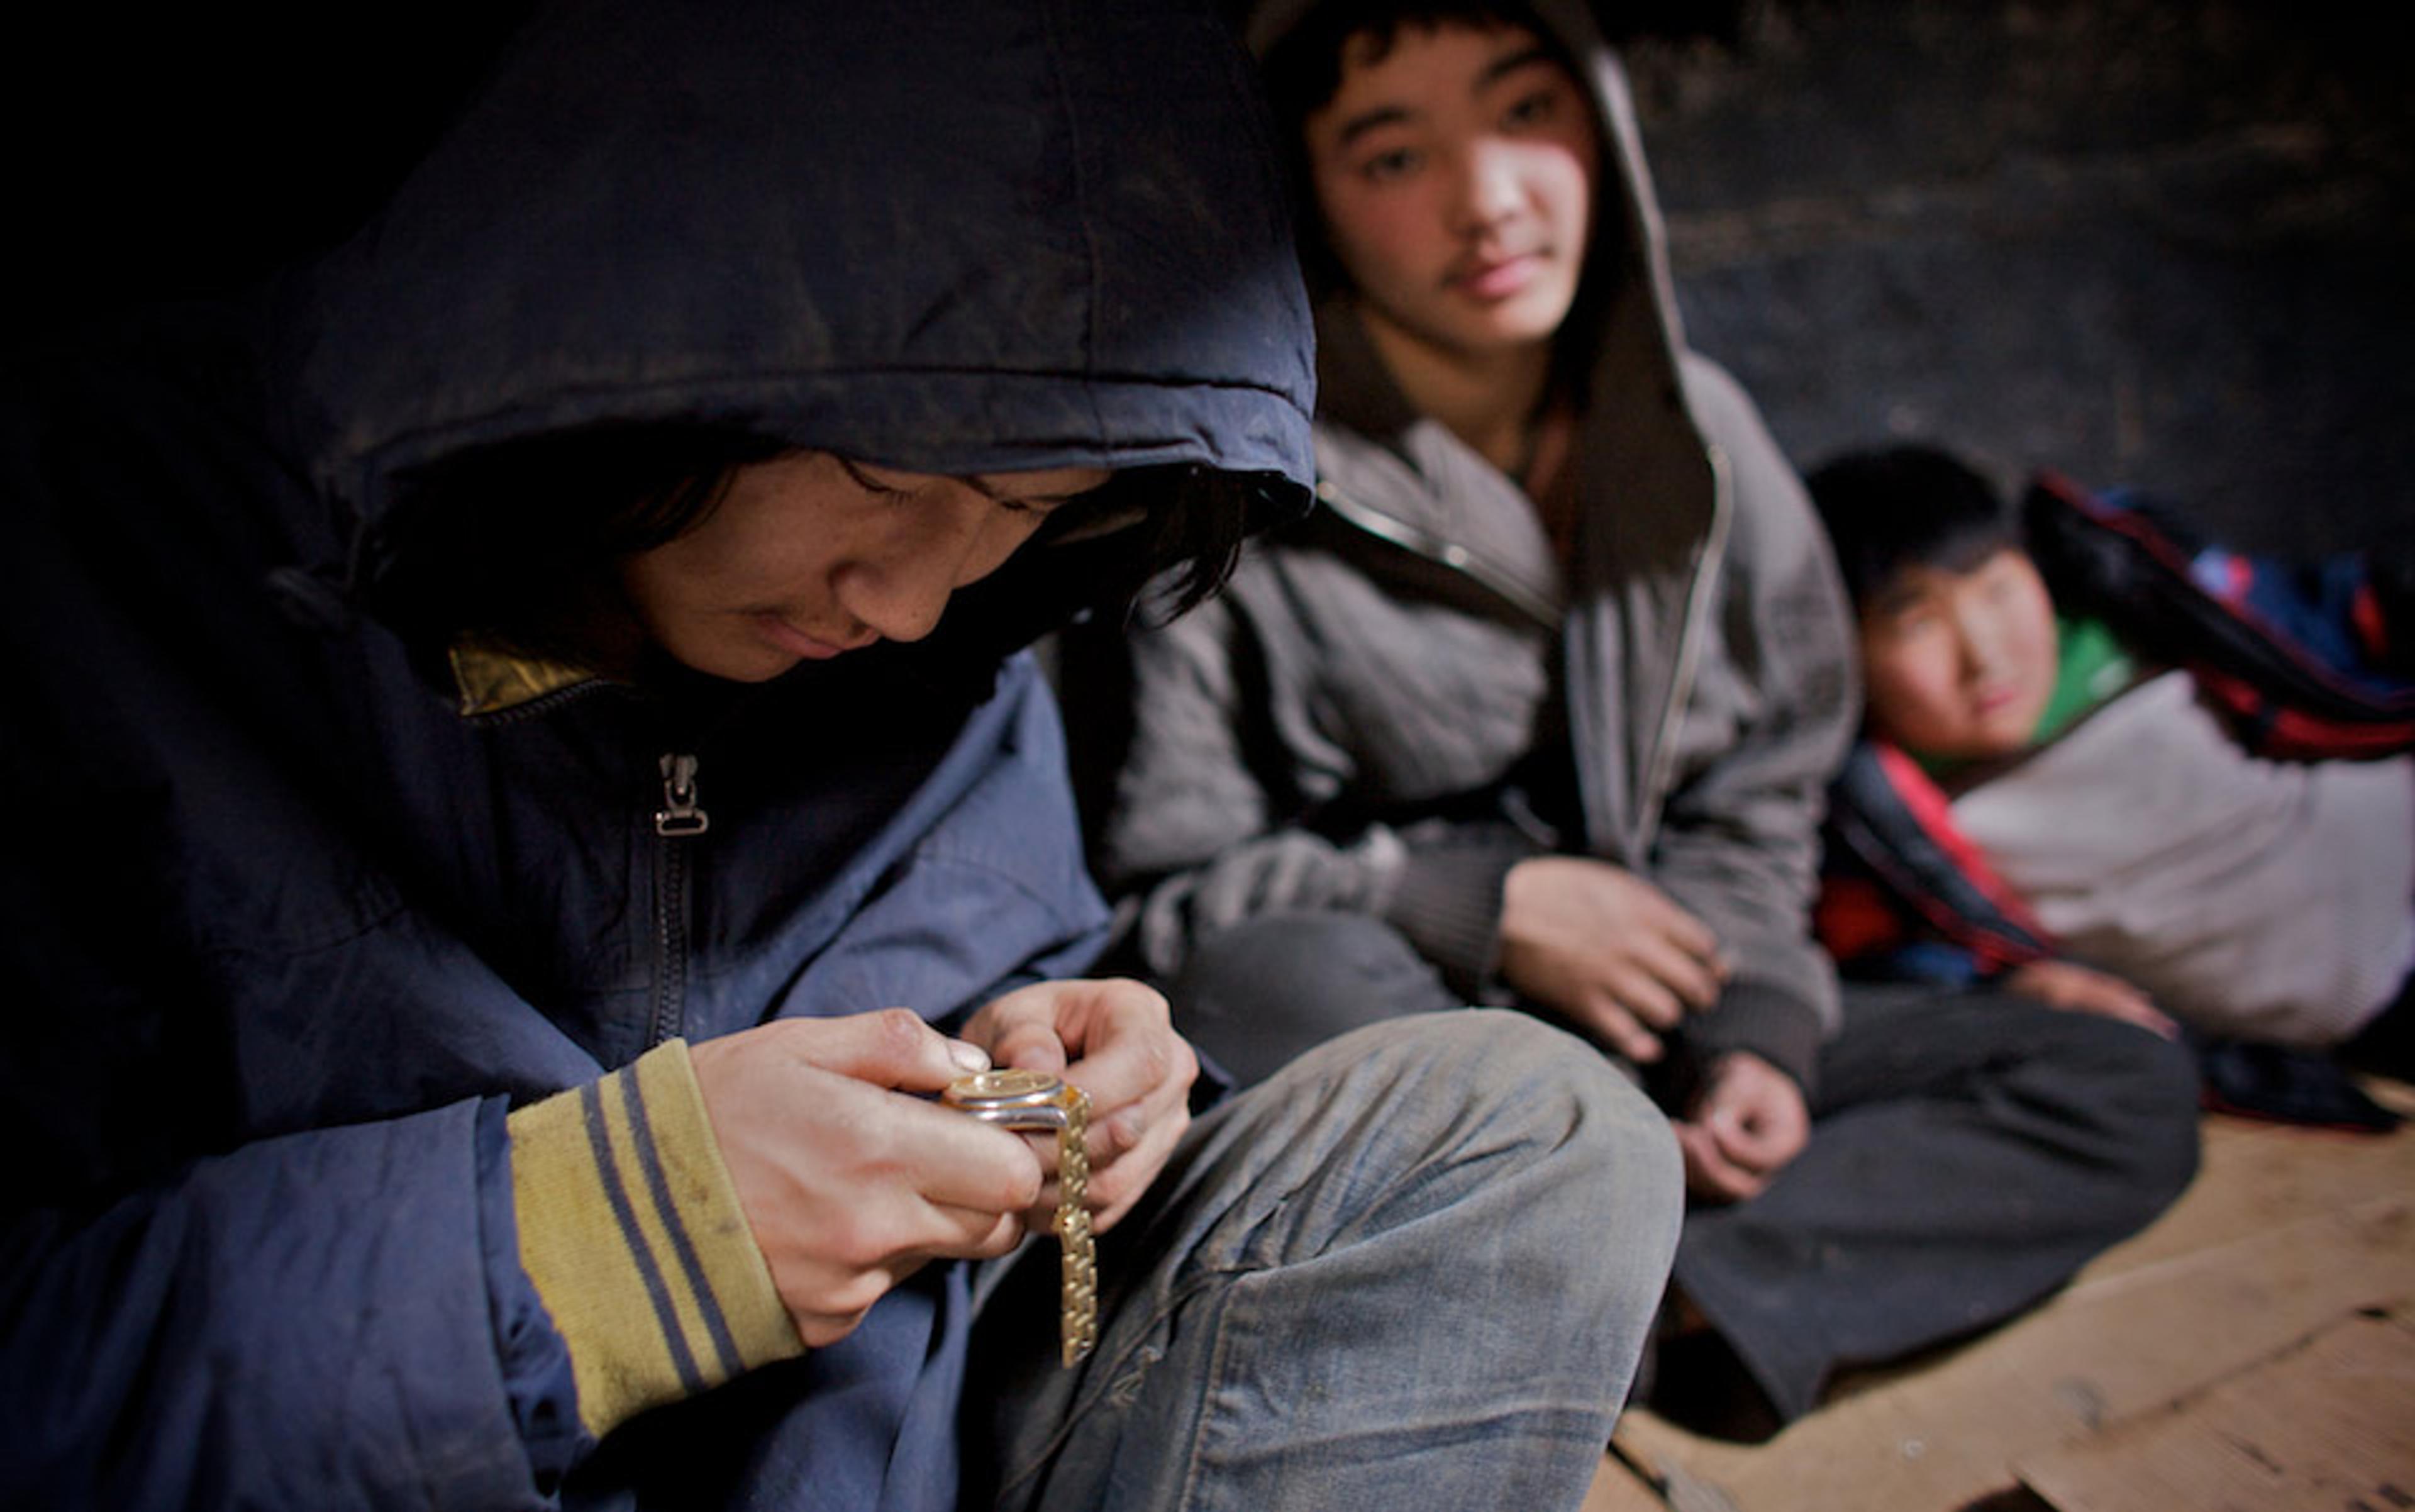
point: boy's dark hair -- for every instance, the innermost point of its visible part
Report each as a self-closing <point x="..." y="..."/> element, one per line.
<point x="1891" y="508"/>
<point x="519" y="544"/>
<point x="1304" y="69"/>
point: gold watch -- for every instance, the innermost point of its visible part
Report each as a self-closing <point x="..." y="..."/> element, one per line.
<point x="1023" y="1099"/>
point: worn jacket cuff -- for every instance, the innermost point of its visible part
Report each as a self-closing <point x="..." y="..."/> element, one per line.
<point x="1446" y="901"/>
<point x="532" y="1354"/>
<point x="1771" y="1023"/>
<point x="631" y="1230"/>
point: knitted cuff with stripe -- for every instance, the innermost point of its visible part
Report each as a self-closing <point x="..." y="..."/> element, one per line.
<point x="631" y="1231"/>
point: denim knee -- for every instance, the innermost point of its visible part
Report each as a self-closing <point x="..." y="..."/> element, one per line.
<point x="1613" y="1162"/>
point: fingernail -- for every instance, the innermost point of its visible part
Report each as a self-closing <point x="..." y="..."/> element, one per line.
<point x="967" y="1055"/>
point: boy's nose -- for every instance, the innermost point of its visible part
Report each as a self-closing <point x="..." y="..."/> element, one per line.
<point x="1982" y="646"/>
<point x="900" y="590"/>
<point x="1488" y="187"/>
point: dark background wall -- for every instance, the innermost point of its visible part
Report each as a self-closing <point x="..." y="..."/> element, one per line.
<point x="2166" y="245"/>
<point x="2157" y="243"/>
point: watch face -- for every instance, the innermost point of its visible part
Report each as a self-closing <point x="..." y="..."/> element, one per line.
<point x="1008" y="1085"/>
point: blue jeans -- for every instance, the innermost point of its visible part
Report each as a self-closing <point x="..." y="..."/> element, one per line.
<point x="1413" y="1269"/>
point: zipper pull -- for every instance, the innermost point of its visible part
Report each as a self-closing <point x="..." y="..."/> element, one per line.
<point x="678" y="815"/>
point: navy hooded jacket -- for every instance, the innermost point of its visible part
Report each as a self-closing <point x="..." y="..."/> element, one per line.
<point x="287" y="935"/>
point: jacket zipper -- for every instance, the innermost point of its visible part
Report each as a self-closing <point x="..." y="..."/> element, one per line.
<point x="1654" y="794"/>
<point x="536" y="708"/>
<point x="679" y="820"/>
<point x="1420" y="542"/>
<point x="1653" y="782"/>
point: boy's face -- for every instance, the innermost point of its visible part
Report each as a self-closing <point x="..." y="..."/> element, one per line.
<point x="809" y="555"/>
<point x="1960" y="664"/>
<point x="1456" y="178"/>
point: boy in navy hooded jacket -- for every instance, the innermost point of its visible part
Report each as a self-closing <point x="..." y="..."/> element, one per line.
<point x="518" y="845"/>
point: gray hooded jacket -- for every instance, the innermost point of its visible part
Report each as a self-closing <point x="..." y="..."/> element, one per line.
<point x="1343" y="729"/>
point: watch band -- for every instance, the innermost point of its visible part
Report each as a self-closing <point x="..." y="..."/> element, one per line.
<point x="1035" y="1101"/>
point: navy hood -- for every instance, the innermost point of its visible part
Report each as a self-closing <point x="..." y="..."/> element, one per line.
<point x="1056" y="240"/>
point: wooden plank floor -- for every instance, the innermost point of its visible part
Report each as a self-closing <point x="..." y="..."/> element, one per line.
<point x="2327" y="1425"/>
<point x="2285" y="1233"/>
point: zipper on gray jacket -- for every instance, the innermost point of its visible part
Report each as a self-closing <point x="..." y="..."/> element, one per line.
<point x="680" y="819"/>
<point x="1419" y="540"/>
<point x="1693" y="631"/>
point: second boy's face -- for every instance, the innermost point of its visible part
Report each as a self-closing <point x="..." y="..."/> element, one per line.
<point x="1456" y="175"/>
<point x="1961" y="665"/>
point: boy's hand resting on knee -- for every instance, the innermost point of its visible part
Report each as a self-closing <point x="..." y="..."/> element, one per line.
<point x="1606" y="949"/>
<point x="2079" y="989"/>
<point x="1116" y="1041"/>
<point x="849" y="1183"/>
<point x="1747" y="1123"/>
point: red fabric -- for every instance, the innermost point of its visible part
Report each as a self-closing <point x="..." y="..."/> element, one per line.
<point x="2291" y="735"/>
<point x="1934" y="814"/>
<point x="1852" y="918"/>
<point x="2241" y="574"/>
<point x="2372" y="631"/>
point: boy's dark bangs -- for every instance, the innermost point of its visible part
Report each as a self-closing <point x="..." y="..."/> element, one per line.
<point x="1904" y="507"/>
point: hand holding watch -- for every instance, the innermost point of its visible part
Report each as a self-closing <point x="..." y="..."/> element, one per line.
<point x="1033" y="1101"/>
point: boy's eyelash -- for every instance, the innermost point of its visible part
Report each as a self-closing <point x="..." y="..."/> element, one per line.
<point x="868" y="483"/>
<point x="879" y="489"/>
<point x="1535" y="107"/>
